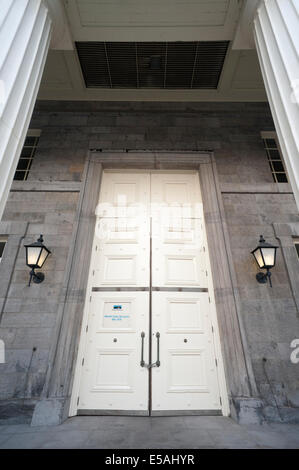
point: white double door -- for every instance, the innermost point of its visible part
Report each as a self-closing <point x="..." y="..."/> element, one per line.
<point x="148" y="342"/>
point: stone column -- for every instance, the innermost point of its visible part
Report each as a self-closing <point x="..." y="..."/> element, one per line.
<point x="25" y="32"/>
<point x="276" y="32"/>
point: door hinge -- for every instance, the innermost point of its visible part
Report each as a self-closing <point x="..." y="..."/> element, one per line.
<point x="82" y="361"/>
<point x="216" y="362"/>
<point x="204" y="249"/>
<point x="96" y="247"/>
<point x="90" y="299"/>
<point x="212" y="329"/>
<point x="86" y="328"/>
<point x="206" y="273"/>
<point x="209" y="300"/>
<point x="78" y="400"/>
<point x="220" y="401"/>
<point x="93" y="272"/>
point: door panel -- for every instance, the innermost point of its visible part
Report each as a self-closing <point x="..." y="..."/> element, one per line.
<point x="175" y="194"/>
<point x="122" y="252"/>
<point x="179" y="254"/>
<point x="112" y="378"/>
<point x="187" y="376"/>
<point x="177" y="231"/>
<point x="124" y="194"/>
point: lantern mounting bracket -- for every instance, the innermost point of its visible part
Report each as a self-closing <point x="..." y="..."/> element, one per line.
<point x="262" y="278"/>
<point x="36" y="277"/>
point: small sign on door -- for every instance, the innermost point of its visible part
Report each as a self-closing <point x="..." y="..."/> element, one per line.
<point x="117" y="314"/>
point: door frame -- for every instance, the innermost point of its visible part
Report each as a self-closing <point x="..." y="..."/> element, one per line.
<point x="61" y="384"/>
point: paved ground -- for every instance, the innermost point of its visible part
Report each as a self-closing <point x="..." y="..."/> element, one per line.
<point x="110" y="432"/>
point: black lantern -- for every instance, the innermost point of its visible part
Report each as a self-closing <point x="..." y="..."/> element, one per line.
<point x="36" y="255"/>
<point x="265" y="256"/>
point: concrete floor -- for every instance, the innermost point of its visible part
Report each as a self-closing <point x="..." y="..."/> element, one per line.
<point x="111" y="432"/>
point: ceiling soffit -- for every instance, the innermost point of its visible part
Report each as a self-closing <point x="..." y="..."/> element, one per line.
<point x="154" y="20"/>
<point x="164" y="22"/>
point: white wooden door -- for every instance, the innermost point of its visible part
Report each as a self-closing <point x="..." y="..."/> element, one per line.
<point x="186" y="378"/>
<point x="149" y="283"/>
<point x="112" y="378"/>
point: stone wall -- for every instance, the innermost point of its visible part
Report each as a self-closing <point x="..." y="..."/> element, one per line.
<point x="28" y="314"/>
<point x="47" y="204"/>
<point x="270" y="315"/>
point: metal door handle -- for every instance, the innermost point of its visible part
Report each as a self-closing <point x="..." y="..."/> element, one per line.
<point x="158" y="350"/>
<point x="157" y="363"/>
<point x="142" y="363"/>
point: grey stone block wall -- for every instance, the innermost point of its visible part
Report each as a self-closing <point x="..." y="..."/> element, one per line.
<point x="232" y="130"/>
<point x="252" y="203"/>
<point x="270" y="315"/>
<point x="28" y="314"/>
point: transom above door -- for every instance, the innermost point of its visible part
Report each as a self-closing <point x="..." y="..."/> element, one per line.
<point x="150" y="345"/>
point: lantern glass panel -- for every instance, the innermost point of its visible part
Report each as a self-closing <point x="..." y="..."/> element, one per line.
<point x="42" y="257"/>
<point x="32" y="255"/>
<point x="269" y="256"/>
<point x="259" y="258"/>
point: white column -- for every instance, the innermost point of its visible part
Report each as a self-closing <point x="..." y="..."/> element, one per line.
<point x="276" y="31"/>
<point x="25" y="31"/>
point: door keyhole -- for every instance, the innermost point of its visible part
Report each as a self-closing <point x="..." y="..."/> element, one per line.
<point x="185" y="340"/>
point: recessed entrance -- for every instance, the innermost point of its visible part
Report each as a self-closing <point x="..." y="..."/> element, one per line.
<point x="150" y="343"/>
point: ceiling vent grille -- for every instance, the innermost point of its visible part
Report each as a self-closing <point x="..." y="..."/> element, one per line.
<point x="179" y="65"/>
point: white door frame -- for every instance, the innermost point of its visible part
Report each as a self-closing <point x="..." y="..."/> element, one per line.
<point x="60" y="379"/>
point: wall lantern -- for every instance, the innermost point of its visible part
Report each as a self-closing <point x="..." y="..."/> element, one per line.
<point x="36" y="255"/>
<point x="265" y="256"/>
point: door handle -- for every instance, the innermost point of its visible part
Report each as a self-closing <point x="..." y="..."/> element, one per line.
<point x="153" y="364"/>
<point x="142" y="363"/>
<point x="157" y="363"/>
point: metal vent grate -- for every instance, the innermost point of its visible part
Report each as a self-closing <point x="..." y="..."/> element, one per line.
<point x="152" y="64"/>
